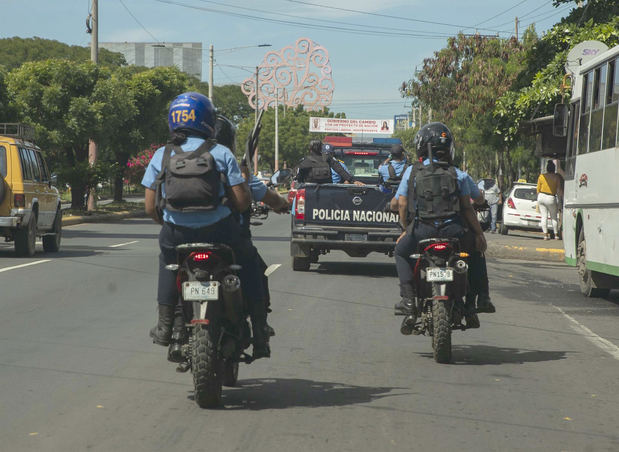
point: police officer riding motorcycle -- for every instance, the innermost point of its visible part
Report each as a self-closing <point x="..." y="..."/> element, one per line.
<point x="190" y="184"/>
<point x="433" y="201"/>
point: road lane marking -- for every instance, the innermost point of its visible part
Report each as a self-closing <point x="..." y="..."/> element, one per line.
<point x="271" y="269"/>
<point x="6" y="269"/>
<point x="123" y="244"/>
<point x="596" y="340"/>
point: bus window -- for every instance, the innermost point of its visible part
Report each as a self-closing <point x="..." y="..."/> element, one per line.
<point x="611" y="97"/>
<point x="597" y="111"/>
<point x="583" y="137"/>
<point x="571" y="157"/>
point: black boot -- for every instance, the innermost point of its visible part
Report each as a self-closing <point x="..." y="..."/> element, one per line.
<point x="162" y="332"/>
<point x="484" y="304"/>
<point x="259" y="331"/>
<point x="406" y="305"/>
<point x="470" y="316"/>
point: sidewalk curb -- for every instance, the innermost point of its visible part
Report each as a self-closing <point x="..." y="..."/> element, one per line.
<point x="526" y="253"/>
<point x="77" y="219"/>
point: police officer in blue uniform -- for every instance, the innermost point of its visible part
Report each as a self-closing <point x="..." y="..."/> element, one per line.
<point x="439" y="137"/>
<point x="391" y="170"/>
<point x="191" y="120"/>
<point x="339" y="171"/>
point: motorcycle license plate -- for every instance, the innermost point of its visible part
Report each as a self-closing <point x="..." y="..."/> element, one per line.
<point x="200" y="291"/>
<point x="436" y="274"/>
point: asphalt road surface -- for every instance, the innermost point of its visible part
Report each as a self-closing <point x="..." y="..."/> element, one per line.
<point x="78" y="371"/>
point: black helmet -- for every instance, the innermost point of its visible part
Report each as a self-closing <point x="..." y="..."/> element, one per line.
<point x="439" y="137"/>
<point x="225" y="132"/>
<point x="397" y="151"/>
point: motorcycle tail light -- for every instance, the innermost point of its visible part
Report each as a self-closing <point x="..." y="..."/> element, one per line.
<point x="20" y="200"/>
<point x="510" y="203"/>
<point x="299" y="206"/>
<point x="201" y="257"/>
<point x="439" y="246"/>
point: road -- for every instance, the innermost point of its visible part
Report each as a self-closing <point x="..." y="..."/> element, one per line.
<point x="79" y="372"/>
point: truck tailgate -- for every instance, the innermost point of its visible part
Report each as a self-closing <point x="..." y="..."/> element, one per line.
<point x="348" y="205"/>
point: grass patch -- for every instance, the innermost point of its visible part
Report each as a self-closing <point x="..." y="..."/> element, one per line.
<point x="108" y="209"/>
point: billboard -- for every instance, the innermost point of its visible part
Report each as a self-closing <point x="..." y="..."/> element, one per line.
<point x="401" y="122"/>
<point x="339" y="125"/>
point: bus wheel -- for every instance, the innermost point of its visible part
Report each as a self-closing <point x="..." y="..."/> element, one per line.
<point x="585" y="277"/>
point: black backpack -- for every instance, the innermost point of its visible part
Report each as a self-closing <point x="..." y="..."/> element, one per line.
<point x="433" y="191"/>
<point x="316" y="169"/>
<point x="392" y="175"/>
<point x="192" y="181"/>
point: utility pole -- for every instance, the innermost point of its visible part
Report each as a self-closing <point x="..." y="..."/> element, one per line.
<point x="516" y="28"/>
<point x="211" y="61"/>
<point x="276" y="129"/>
<point x="256" y="119"/>
<point x="94" y="56"/>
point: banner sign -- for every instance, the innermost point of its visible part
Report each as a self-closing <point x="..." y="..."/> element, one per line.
<point x="401" y="122"/>
<point x="338" y="125"/>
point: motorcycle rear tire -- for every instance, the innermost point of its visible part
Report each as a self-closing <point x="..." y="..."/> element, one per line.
<point x="207" y="368"/>
<point x="441" y="325"/>
<point x="231" y="373"/>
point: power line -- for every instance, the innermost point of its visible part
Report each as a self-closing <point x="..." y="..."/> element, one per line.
<point x="548" y="16"/>
<point x="501" y="13"/>
<point x="245" y="8"/>
<point x="391" y="16"/>
<point x="365" y="31"/>
<point x="138" y="22"/>
<point x="524" y="16"/>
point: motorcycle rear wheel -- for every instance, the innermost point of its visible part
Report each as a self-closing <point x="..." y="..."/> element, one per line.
<point x="207" y="368"/>
<point x="441" y="325"/>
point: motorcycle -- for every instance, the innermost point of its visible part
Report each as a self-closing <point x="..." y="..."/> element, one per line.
<point x="440" y="278"/>
<point x="211" y="331"/>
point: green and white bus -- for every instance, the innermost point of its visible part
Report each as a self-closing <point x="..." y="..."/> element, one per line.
<point x="591" y="193"/>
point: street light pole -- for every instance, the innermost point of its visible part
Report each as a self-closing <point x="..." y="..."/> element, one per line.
<point x="94" y="56"/>
<point x="211" y="61"/>
<point x="256" y="120"/>
<point x="276" y="129"/>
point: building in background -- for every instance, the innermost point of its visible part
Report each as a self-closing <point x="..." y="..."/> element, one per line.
<point x="187" y="56"/>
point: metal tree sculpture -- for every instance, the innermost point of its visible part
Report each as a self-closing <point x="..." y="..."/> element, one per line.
<point x="295" y="75"/>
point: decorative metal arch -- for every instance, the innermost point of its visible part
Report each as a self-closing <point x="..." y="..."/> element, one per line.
<point x="300" y="74"/>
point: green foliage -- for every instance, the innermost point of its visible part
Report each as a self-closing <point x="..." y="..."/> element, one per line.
<point x="408" y="139"/>
<point x="16" y="51"/>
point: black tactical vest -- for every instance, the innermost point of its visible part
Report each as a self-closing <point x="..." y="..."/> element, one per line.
<point x="392" y="175"/>
<point x="192" y="182"/>
<point x="315" y="169"/>
<point x="433" y="192"/>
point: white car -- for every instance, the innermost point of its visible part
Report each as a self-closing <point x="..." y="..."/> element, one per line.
<point x="520" y="209"/>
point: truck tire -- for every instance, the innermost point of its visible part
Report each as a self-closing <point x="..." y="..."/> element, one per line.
<point x="51" y="243"/>
<point x="300" y="264"/>
<point x="585" y="275"/>
<point x="25" y="238"/>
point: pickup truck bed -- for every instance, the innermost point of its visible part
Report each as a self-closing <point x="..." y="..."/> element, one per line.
<point x="342" y="217"/>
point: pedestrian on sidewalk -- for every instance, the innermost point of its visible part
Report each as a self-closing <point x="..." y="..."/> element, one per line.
<point x="548" y="184"/>
<point x="492" y="193"/>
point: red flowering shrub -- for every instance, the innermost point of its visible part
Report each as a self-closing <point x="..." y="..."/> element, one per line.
<point x="137" y="165"/>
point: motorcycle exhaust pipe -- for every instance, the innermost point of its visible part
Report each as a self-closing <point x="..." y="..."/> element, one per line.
<point x="408" y="325"/>
<point x="460" y="278"/>
<point x="232" y="297"/>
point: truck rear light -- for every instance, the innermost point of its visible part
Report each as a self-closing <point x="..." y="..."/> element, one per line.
<point x="299" y="205"/>
<point x="510" y="203"/>
<point x="360" y="153"/>
<point x="20" y="200"/>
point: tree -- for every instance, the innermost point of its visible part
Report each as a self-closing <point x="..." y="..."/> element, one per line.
<point x="56" y="96"/>
<point x="16" y="51"/>
<point x="460" y="83"/>
<point x="5" y="107"/>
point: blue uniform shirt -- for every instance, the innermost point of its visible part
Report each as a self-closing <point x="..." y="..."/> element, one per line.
<point x="225" y="163"/>
<point x="257" y="188"/>
<point x="335" y="178"/>
<point x="463" y="184"/>
<point x="383" y="170"/>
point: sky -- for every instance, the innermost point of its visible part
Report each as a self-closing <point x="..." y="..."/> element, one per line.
<point x="373" y="45"/>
